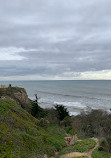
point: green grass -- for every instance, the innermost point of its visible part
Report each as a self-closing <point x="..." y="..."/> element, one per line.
<point x="81" y="146"/>
<point x="56" y="137"/>
<point x="84" y="145"/>
<point x="80" y="157"/>
<point x="22" y="136"/>
<point x="100" y="154"/>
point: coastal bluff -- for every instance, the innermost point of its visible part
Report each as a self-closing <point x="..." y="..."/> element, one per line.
<point x="16" y="94"/>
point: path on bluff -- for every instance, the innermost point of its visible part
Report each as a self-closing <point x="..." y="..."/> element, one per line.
<point x="78" y="154"/>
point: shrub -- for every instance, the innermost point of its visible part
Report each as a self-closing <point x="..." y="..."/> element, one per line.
<point x="105" y="145"/>
<point x="61" y="111"/>
<point x="51" y="113"/>
<point x="93" y="124"/>
<point x="100" y="154"/>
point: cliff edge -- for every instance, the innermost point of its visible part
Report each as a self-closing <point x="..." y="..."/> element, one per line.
<point x="16" y="94"/>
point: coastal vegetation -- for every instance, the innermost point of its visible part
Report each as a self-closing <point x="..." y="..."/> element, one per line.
<point x="100" y="154"/>
<point x="81" y="146"/>
<point x="22" y="135"/>
<point x="27" y="130"/>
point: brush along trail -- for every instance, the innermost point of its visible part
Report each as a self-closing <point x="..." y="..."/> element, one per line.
<point x="78" y="154"/>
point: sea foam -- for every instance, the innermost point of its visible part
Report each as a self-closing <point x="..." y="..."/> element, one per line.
<point x="75" y="105"/>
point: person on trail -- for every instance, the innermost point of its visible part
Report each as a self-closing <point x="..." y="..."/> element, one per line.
<point x="68" y="140"/>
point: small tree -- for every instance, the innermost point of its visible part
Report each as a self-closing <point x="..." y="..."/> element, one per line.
<point x="35" y="107"/>
<point x="10" y="86"/>
<point x="36" y="110"/>
<point x="62" y="111"/>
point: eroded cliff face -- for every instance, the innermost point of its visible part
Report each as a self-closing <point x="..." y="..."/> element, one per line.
<point x="16" y="94"/>
<point x="22" y="96"/>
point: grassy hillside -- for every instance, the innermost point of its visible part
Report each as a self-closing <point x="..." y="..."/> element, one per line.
<point x="23" y="136"/>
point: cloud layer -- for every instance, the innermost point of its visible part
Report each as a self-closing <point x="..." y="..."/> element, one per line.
<point x="56" y="39"/>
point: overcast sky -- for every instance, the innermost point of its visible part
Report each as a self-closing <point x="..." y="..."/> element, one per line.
<point x="55" y="39"/>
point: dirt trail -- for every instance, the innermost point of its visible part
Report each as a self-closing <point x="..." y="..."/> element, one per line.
<point x="96" y="146"/>
<point x="78" y="154"/>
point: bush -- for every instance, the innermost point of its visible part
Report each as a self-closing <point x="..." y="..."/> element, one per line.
<point x="100" y="154"/>
<point x="93" y="124"/>
<point x="61" y="111"/>
<point x="52" y="116"/>
<point x="38" y="112"/>
<point x="105" y="145"/>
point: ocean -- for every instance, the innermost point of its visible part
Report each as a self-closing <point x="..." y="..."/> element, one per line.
<point x="77" y="96"/>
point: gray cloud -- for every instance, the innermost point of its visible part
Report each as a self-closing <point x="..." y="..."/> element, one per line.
<point x="54" y="38"/>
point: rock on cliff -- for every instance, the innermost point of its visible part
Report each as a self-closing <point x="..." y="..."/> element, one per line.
<point x="19" y="95"/>
<point x="22" y="96"/>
